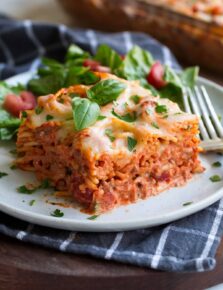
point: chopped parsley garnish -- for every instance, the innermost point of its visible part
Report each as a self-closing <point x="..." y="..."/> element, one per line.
<point x="216" y="164"/>
<point x="25" y="190"/>
<point x="187" y="203"/>
<point x="45" y="184"/>
<point x="161" y="109"/>
<point x="24" y="114"/>
<point x="57" y="213"/>
<point x="49" y="117"/>
<point x="13" y="167"/>
<point x="109" y="134"/>
<point x="2" y="174"/>
<point x="13" y="151"/>
<point x="131" y="143"/>
<point x="31" y="203"/>
<point x="93" y="217"/>
<point x="215" y="178"/>
<point x="101" y="117"/>
<point x="155" y="125"/>
<point x="38" y="110"/>
<point x="135" y="99"/>
<point x="165" y="116"/>
<point x="127" y="117"/>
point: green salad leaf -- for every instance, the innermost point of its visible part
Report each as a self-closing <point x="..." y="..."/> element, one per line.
<point x="8" y="123"/>
<point x="106" y="91"/>
<point x="85" y="113"/>
<point x="108" y="57"/>
<point x="76" y="55"/>
<point x="189" y="76"/>
<point x="136" y="64"/>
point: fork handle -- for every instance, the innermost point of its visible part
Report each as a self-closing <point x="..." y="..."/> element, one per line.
<point x="212" y="146"/>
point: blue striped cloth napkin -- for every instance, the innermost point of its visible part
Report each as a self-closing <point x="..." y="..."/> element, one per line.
<point x="188" y="244"/>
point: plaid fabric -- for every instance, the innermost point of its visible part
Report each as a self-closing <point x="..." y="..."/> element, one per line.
<point x="188" y="244"/>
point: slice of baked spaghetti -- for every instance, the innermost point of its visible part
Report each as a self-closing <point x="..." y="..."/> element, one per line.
<point x="109" y="144"/>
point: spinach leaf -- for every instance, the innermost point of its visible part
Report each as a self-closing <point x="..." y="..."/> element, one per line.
<point x="174" y="93"/>
<point x="7" y="121"/>
<point x="80" y="75"/>
<point x="7" y="133"/>
<point x="136" y="64"/>
<point x="108" y="57"/>
<point x="46" y="85"/>
<point x="85" y="113"/>
<point x="106" y="91"/>
<point x="189" y="75"/>
<point x="74" y="52"/>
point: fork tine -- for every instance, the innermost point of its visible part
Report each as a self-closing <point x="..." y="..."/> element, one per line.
<point x="196" y="110"/>
<point x="205" y="114"/>
<point x="186" y="102"/>
<point x="213" y="114"/>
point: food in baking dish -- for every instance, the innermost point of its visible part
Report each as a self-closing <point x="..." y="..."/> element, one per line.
<point x="207" y="10"/>
<point x="109" y="144"/>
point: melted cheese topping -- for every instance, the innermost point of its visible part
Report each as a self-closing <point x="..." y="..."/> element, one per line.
<point x="148" y="122"/>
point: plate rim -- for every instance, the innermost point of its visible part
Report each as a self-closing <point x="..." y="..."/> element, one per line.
<point x="105" y="226"/>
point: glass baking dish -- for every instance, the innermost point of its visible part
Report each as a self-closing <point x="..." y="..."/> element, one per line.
<point x="193" y="40"/>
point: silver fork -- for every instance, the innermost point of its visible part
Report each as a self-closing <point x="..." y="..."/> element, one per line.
<point x="197" y="101"/>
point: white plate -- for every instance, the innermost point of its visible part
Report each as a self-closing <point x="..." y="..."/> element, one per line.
<point x="166" y="207"/>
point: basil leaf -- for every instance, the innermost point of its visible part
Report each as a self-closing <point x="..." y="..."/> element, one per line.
<point x="136" y="64"/>
<point x="131" y="143"/>
<point x="85" y="113"/>
<point x="127" y="117"/>
<point x="108" y="57"/>
<point x="189" y="76"/>
<point x="106" y="91"/>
